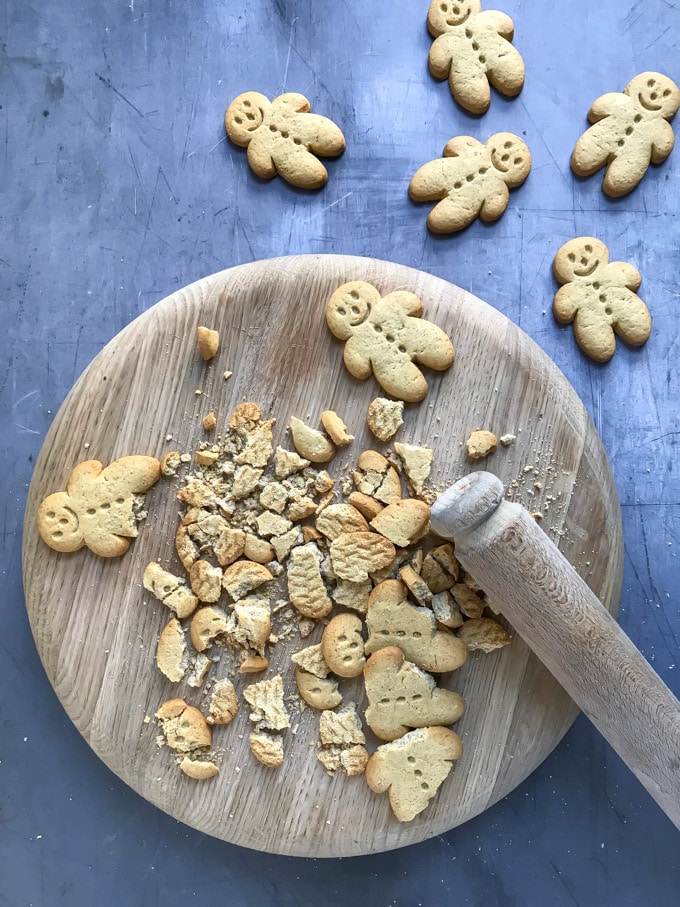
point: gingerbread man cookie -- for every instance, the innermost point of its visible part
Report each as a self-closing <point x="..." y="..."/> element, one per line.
<point x="471" y="180"/>
<point x="97" y="509"/>
<point x="629" y="130"/>
<point x="283" y="137"/>
<point x="386" y="336"/>
<point x="472" y="49"/>
<point x="599" y="297"/>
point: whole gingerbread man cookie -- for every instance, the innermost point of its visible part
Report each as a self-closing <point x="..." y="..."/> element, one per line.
<point x="283" y="137"/>
<point x="471" y="180"/>
<point x="629" y="131"/>
<point x="97" y="508"/>
<point x="599" y="297"/>
<point x="472" y="49"/>
<point x="386" y="336"/>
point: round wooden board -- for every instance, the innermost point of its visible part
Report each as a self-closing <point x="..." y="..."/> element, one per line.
<point x="96" y="629"/>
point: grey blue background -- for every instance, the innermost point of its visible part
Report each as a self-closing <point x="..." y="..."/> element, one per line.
<point x="118" y="187"/>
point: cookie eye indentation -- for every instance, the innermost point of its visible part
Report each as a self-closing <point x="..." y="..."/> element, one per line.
<point x="470" y="177"/>
<point x="272" y="128"/>
<point x="238" y="120"/>
<point x="51" y="514"/>
<point x="58" y="534"/>
<point x="354" y="294"/>
<point x="401" y="633"/>
<point x="401" y="348"/>
<point x="411" y="759"/>
<point x="483" y="170"/>
<point x="417" y="634"/>
<point x="342" y="638"/>
<point x="505" y="158"/>
<point x="120" y="500"/>
<point x="63" y="521"/>
<point x="355" y="310"/>
<point x="475" y="46"/>
<point x="482" y="58"/>
<point x="378" y="329"/>
<point x="666" y="92"/>
<point x="621" y="143"/>
<point x="507" y="144"/>
<point x="608" y="310"/>
<point x="596" y="285"/>
<point x="354" y="645"/>
<point x="250" y="116"/>
<point x="443" y="7"/>
<point x="517" y="161"/>
<point x="284" y="135"/>
<point x="571" y="257"/>
<point x="629" y="130"/>
<point x="468" y="34"/>
<point x="602" y="297"/>
<point x="416" y="697"/>
<point x="457" y="184"/>
<point x="418" y="773"/>
<point x="389" y="338"/>
<point x="246" y="103"/>
<point x="425" y="785"/>
<point x="341" y="310"/>
<point x="650" y="83"/>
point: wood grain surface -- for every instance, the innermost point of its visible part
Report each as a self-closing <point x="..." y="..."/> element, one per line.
<point x="96" y="629"/>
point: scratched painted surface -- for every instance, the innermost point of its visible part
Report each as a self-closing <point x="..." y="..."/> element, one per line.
<point x="118" y="187"/>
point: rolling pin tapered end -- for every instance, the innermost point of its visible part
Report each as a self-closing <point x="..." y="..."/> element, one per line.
<point x="466" y="505"/>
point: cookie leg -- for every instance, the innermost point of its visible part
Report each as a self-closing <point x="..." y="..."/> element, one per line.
<point x="302" y="170"/>
<point x="400" y="377"/>
<point x="506" y="73"/>
<point x="470" y="87"/>
<point x="594" y="335"/>
<point x="623" y="175"/>
<point x="451" y="215"/>
<point x="632" y="321"/>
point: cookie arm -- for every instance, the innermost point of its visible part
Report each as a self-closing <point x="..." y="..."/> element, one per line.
<point x="439" y="58"/>
<point x="291" y="101"/>
<point x="500" y="22"/>
<point x="356" y="359"/>
<point x="565" y="305"/>
<point x="495" y="204"/>
<point x="612" y="102"/>
<point x="136" y="474"/>
<point x="260" y="159"/>
<point x="630" y="274"/>
<point x="663" y="142"/>
<point x="430" y="182"/>
<point x="409" y="303"/>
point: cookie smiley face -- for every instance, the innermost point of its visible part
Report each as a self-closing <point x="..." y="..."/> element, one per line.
<point x="444" y="15"/>
<point x="59" y="524"/>
<point x="245" y="115"/>
<point x="655" y="92"/>
<point x="343" y="645"/>
<point x="510" y="156"/>
<point x="580" y="257"/>
<point x="350" y="306"/>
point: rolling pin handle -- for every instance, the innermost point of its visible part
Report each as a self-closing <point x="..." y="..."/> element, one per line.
<point x="556" y="613"/>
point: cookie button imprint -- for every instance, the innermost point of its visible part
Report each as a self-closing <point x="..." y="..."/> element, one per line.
<point x="630" y="130"/>
<point x="386" y="336"/>
<point x="599" y="297"/>
<point x="471" y="180"/>
<point x="283" y="137"/>
<point x="472" y="49"/>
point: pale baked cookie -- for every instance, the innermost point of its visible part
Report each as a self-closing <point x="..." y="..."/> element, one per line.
<point x="484" y="633"/>
<point x="343" y="645"/>
<point x="402" y="696"/>
<point x="200" y="769"/>
<point x="629" y="131"/>
<point x="471" y="180"/>
<point x="306" y="589"/>
<point x="208" y="342"/>
<point x="310" y="443"/>
<point x="97" y="509"/>
<point x="342" y="740"/>
<point x="169" y="589"/>
<point x="339" y="518"/>
<point x="336" y="428"/>
<point x="283" y="137"/>
<point x="393" y="621"/>
<point x="377" y="478"/>
<point x="599" y="297"/>
<point x="417" y="463"/>
<point x="318" y="692"/>
<point x="223" y="702"/>
<point x="385" y="417"/>
<point x="386" y="336"/>
<point x="172" y="657"/>
<point x="402" y="522"/>
<point x="472" y="49"/>
<point x="184" y="727"/>
<point x="355" y="555"/>
<point x="480" y="444"/>
<point x="413" y="768"/>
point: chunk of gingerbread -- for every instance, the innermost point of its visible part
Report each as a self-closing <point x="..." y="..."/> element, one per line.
<point x="283" y="137"/>
<point x="630" y="130"/>
<point x="599" y="297"/>
<point x="471" y="180"/>
<point x="385" y="336"/>
<point x="98" y="507"/>
<point x="472" y="49"/>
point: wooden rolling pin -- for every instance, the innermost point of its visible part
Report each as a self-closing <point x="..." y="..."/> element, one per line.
<point x="568" y="628"/>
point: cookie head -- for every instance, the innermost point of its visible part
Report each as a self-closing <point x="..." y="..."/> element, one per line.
<point x="244" y="115"/>
<point x="510" y="156"/>
<point x="655" y="92"/>
<point x="446" y="14"/>
<point x="58" y="523"/>
<point x="580" y="258"/>
<point x="349" y="307"/>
